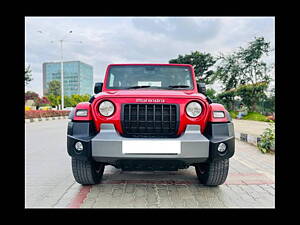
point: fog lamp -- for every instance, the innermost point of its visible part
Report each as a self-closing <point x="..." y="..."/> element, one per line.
<point x="221" y="147"/>
<point x="79" y="146"/>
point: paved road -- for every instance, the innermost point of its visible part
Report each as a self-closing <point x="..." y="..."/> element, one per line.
<point x="255" y="128"/>
<point x="49" y="181"/>
<point x="48" y="178"/>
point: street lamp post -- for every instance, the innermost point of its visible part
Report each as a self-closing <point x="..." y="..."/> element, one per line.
<point x="62" y="71"/>
<point x="61" y="66"/>
<point x="62" y="74"/>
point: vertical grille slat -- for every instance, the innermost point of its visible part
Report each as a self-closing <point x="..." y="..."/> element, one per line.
<point x="154" y="123"/>
<point x="137" y="118"/>
<point x="129" y="116"/>
<point x="146" y="127"/>
<point x="150" y="120"/>
<point x="162" y="117"/>
<point x="170" y="117"/>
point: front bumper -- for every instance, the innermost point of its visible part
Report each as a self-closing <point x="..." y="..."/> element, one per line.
<point x="109" y="147"/>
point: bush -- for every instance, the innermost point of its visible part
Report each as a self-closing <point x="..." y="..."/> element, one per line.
<point x="69" y="101"/>
<point x="45" y="113"/>
<point x="267" y="141"/>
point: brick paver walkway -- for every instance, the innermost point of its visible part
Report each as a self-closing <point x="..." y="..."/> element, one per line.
<point x="250" y="183"/>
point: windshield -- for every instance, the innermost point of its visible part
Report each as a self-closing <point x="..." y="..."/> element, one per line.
<point x="149" y="77"/>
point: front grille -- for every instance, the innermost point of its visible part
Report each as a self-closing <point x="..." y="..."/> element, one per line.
<point x="150" y="120"/>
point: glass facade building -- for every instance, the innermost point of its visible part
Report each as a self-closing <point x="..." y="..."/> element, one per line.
<point x="78" y="77"/>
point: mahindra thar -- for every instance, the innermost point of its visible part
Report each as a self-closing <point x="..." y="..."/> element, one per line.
<point x="150" y="117"/>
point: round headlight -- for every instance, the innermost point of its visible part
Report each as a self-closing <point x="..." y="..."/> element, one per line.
<point x="193" y="109"/>
<point x="106" y="108"/>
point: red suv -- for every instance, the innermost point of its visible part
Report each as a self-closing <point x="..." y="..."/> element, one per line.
<point x="150" y="117"/>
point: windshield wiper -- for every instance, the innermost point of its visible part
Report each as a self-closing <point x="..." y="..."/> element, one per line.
<point x="178" y="86"/>
<point x="136" y="87"/>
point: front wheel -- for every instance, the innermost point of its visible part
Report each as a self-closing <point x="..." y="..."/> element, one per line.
<point x="87" y="172"/>
<point x="213" y="173"/>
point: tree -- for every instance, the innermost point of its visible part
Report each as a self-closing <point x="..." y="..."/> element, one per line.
<point x="245" y="72"/>
<point x="211" y="93"/>
<point x="54" y="88"/>
<point x="244" y="66"/>
<point x="246" y="92"/>
<point x="271" y="101"/>
<point x="30" y="95"/>
<point x="42" y="102"/>
<point x="54" y="100"/>
<point x="227" y="99"/>
<point x="75" y="99"/>
<point x="201" y="62"/>
<point x="28" y="75"/>
<point x="254" y="69"/>
<point x="229" y="71"/>
<point x="68" y="101"/>
<point x="85" y="98"/>
<point x="268" y="103"/>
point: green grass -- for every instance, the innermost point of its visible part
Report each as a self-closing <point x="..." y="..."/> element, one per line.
<point x="255" y="116"/>
<point x="233" y="114"/>
<point x="250" y="116"/>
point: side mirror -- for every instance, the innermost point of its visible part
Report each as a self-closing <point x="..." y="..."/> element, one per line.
<point x="98" y="87"/>
<point x="201" y="88"/>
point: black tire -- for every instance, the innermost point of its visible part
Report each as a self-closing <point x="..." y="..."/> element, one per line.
<point x="213" y="173"/>
<point x="87" y="172"/>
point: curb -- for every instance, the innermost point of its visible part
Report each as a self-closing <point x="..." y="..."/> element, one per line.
<point x="80" y="197"/>
<point x="45" y="119"/>
<point x="249" y="139"/>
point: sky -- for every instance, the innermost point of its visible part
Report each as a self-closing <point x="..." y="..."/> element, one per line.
<point x="99" y="41"/>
